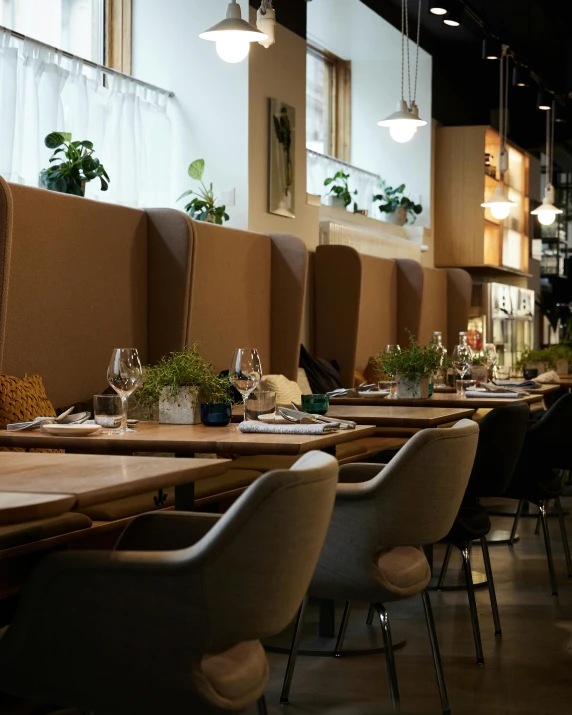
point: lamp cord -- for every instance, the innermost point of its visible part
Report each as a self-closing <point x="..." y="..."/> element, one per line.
<point x="403" y="50"/>
<point x="417" y="58"/>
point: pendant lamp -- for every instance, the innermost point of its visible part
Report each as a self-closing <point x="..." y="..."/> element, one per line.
<point x="547" y="211"/>
<point x="233" y="35"/>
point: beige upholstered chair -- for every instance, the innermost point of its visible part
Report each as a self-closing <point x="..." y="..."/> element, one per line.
<point x="380" y="522"/>
<point x="170" y="621"/>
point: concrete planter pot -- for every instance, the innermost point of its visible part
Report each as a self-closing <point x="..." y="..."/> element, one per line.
<point x="480" y="373"/>
<point x="413" y="389"/>
<point x="336" y="202"/>
<point x="182" y="409"/>
<point x="398" y="217"/>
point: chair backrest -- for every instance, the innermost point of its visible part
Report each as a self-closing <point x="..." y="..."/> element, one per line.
<point x="501" y="437"/>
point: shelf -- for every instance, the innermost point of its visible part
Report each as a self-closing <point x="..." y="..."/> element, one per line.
<point x="489" y="269"/>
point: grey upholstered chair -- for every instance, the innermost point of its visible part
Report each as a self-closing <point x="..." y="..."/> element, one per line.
<point x="373" y="553"/>
<point x="170" y="621"/>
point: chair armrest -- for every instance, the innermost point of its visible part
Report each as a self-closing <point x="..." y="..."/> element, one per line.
<point x="165" y="531"/>
<point x="356" y="473"/>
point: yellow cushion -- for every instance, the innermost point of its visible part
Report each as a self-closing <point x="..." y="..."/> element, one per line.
<point x="286" y="390"/>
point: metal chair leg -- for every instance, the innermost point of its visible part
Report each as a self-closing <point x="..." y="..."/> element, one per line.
<point x="472" y="604"/>
<point x="389" y="657"/>
<point x="342" y="632"/>
<point x="492" y="593"/>
<point x="547" y="544"/>
<point x="446" y="708"/>
<point x="537" y="527"/>
<point x="293" y="653"/>
<point x="261" y="705"/>
<point x="444" y="568"/>
<point x="516" y="521"/>
<point x="370" y="615"/>
<point x="565" y="543"/>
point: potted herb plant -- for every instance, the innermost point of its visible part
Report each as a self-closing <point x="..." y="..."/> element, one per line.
<point x="204" y="205"/>
<point x="73" y="165"/>
<point x="554" y="357"/>
<point x="412" y="366"/>
<point x="400" y="209"/>
<point x="479" y="368"/>
<point x="339" y="194"/>
<point x="177" y="383"/>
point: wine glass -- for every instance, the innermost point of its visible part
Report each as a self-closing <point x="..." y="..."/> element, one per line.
<point x="245" y="372"/>
<point x="490" y="355"/>
<point x="125" y="375"/>
<point x="462" y="359"/>
<point x="392" y="378"/>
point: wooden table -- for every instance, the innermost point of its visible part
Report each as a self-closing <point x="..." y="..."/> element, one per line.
<point x="540" y="390"/>
<point x="395" y="416"/>
<point x="37" y="486"/>
<point x="437" y="400"/>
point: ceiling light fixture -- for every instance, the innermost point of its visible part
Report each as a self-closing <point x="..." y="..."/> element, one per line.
<point x="499" y="204"/>
<point x="438" y="10"/>
<point x="547" y="211"/>
<point x="520" y="76"/>
<point x="233" y="35"/>
<point x="492" y="48"/>
<point x="403" y="123"/>
<point x="266" y="23"/>
<point x="544" y="101"/>
<point x="454" y="16"/>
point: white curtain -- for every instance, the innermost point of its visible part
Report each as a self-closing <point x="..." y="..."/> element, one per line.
<point x="41" y="91"/>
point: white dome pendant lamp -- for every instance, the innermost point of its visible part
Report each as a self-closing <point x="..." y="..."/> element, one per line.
<point x="499" y="204"/>
<point x="547" y="211"/>
<point x="233" y="35"/>
<point x="404" y="122"/>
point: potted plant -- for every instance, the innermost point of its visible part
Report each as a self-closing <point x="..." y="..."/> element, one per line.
<point x="76" y="166"/>
<point x="554" y="357"/>
<point x="479" y="368"/>
<point x="412" y="366"/>
<point x="339" y="194"/>
<point x="177" y="384"/>
<point x="204" y="206"/>
<point x="400" y="209"/>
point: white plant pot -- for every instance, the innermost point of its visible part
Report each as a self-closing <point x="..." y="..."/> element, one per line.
<point x="183" y="409"/>
<point x="480" y="373"/>
<point x="413" y="389"/>
<point x="336" y="202"/>
<point x="398" y="217"/>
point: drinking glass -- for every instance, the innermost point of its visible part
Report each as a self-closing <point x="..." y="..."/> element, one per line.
<point x="393" y="378"/>
<point x="260" y="403"/>
<point x="462" y="358"/>
<point x="490" y="355"/>
<point x="245" y="372"/>
<point x="107" y="412"/>
<point x="125" y="375"/>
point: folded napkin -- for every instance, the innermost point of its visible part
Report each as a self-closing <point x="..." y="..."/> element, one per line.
<point x="528" y="384"/>
<point x="253" y="427"/>
<point x="503" y="395"/>
<point x="548" y="377"/>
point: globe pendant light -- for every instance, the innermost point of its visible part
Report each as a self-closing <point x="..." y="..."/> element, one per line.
<point x="233" y="35"/>
<point x="499" y="204"/>
<point x="403" y="123"/>
<point x="547" y="211"/>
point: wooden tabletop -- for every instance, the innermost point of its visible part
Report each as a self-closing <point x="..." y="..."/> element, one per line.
<point x="540" y="390"/>
<point x="36" y="486"/>
<point x="437" y="400"/>
<point x="396" y="416"/>
<point x="183" y="439"/>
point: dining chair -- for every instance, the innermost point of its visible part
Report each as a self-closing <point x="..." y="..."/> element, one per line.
<point x="171" y="620"/>
<point x="373" y="551"/>
<point x="547" y="451"/>
<point x="501" y="436"/>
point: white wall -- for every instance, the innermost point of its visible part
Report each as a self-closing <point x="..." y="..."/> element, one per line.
<point x="210" y="110"/>
<point x="349" y="29"/>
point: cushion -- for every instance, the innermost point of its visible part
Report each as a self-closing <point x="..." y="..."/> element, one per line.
<point x="403" y="570"/>
<point x="234" y="679"/>
<point x="20" y="534"/>
<point x="22" y="401"/>
<point x="303" y="382"/>
<point x="286" y="390"/>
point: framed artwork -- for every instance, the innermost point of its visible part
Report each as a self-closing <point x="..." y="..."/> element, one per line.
<point x="282" y="164"/>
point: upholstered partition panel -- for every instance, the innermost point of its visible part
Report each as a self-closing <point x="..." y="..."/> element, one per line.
<point x="77" y="288"/>
<point x="434" y="306"/>
<point x="459" y="290"/>
<point x="6" y="214"/>
<point x="410" y="281"/>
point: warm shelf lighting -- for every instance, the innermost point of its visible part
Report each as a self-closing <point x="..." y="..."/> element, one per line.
<point x="233" y="35"/>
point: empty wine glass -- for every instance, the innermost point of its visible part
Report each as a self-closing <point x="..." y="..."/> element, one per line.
<point x="462" y="359"/>
<point x="245" y="372"/>
<point x="125" y="375"/>
<point x="392" y="378"/>
<point x="490" y="355"/>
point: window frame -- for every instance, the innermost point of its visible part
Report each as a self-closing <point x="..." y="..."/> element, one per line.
<point x="341" y="119"/>
<point x="118" y="35"/>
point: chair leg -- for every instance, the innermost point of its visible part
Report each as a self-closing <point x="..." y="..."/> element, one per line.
<point x="445" y="707"/>
<point x="342" y="632"/>
<point x="472" y="604"/>
<point x="537" y="527"/>
<point x="516" y="522"/>
<point x="547" y="544"/>
<point x="389" y="657"/>
<point x="490" y="581"/>
<point x="293" y="653"/>
<point x="370" y="615"/>
<point x="444" y="568"/>
<point x="261" y="705"/>
<point x="565" y="543"/>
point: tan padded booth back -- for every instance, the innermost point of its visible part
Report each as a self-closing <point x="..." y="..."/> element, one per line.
<point x="459" y="293"/>
<point x="77" y="289"/>
<point x="434" y="306"/>
<point x="355" y="301"/>
<point x="6" y="214"/>
<point x="225" y="288"/>
<point x="409" y="299"/>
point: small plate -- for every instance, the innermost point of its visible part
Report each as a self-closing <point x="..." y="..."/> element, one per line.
<point x="78" y="430"/>
<point x="375" y="393"/>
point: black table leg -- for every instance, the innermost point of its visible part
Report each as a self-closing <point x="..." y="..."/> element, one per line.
<point x="329" y="450"/>
<point x="327" y="627"/>
<point x="185" y="493"/>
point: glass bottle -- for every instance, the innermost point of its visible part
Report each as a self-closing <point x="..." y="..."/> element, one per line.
<point x="441" y="375"/>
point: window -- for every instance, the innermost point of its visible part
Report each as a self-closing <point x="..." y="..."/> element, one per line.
<point x="328" y="104"/>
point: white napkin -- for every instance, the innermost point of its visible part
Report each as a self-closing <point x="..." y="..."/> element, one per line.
<point x="503" y="395"/>
<point x="253" y="427"/>
<point x="548" y="377"/>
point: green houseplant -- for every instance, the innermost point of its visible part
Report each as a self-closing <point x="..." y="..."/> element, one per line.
<point x="399" y="208"/>
<point x="413" y="367"/>
<point x="340" y="194"/>
<point x="178" y="383"/>
<point x="203" y="207"/>
<point x="554" y="357"/>
<point x="73" y="165"/>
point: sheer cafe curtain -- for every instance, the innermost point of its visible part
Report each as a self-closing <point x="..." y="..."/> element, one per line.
<point x="41" y="91"/>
